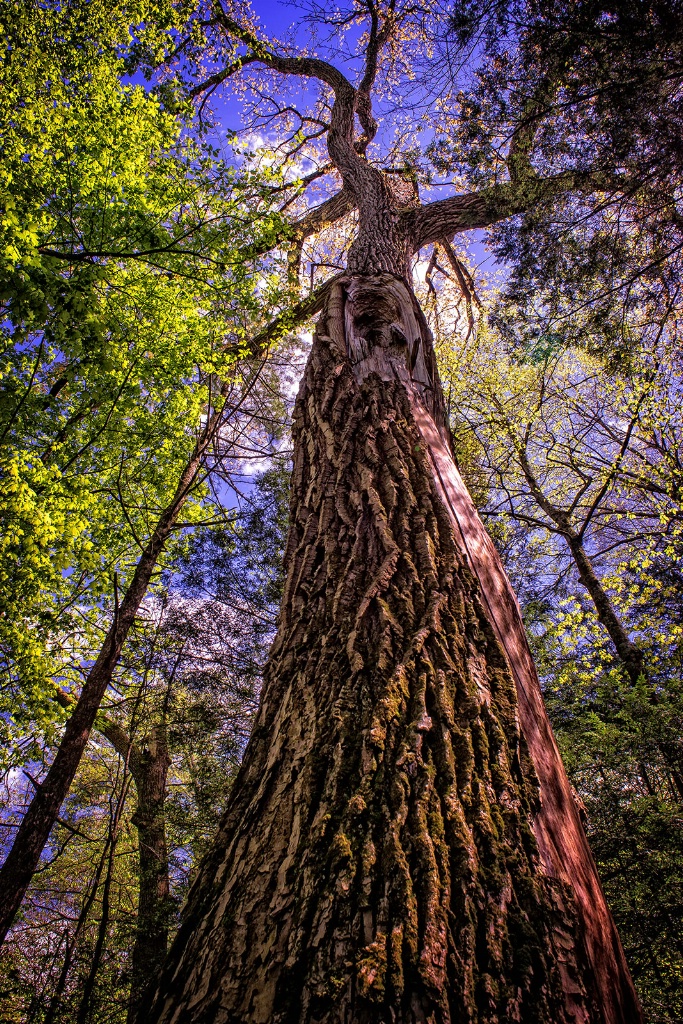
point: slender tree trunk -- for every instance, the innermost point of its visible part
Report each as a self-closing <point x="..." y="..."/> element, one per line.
<point x="154" y="907"/>
<point x="89" y="985"/>
<point x="148" y="763"/>
<point x="24" y="856"/>
<point x="629" y="654"/>
<point x="401" y="844"/>
<point x="72" y="943"/>
<point x="56" y="997"/>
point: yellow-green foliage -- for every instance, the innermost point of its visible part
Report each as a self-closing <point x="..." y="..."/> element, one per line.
<point x="123" y="289"/>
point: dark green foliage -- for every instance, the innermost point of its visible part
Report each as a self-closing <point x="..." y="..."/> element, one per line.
<point x="594" y="90"/>
<point x="611" y="738"/>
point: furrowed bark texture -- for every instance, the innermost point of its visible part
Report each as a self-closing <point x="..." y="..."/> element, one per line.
<point x="401" y="844"/>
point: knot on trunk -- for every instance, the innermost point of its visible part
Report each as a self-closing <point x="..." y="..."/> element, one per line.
<point x="402" y="190"/>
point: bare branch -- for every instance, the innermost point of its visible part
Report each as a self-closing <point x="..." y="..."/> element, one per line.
<point x="355" y="171"/>
<point x="466" y="286"/>
<point x="377" y="38"/>
<point x="306" y="67"/>
<point x="320" y="217"/>
<point x="222" y="76"/>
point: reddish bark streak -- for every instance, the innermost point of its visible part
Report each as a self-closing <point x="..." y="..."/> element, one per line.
<point x="557" y="826"/>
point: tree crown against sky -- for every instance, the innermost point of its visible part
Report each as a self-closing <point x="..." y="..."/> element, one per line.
<point x="130" y="302"/>
<point x="448" y="99"/>
<point x="387" y="109"/>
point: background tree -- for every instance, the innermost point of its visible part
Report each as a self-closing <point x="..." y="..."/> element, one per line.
<point x="125" y="315"/>
<point x="181" y="706"/>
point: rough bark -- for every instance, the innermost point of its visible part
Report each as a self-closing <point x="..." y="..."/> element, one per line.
<point x="401" y="843"/>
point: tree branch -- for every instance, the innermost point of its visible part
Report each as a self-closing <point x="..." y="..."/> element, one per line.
<point x="307" y="67"/>
<point x="117" y="736"/>
<point x="292" y="316"/>
<point x="448" y="217"/>
<point x="355" y="171"/>
<point x="377" y="37"/>
<point x="320" y="217"/>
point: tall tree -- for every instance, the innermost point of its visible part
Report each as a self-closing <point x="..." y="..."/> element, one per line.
<point x="402" y="842"/>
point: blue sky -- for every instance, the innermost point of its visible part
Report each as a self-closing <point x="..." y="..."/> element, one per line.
<point x="276" y="17"/>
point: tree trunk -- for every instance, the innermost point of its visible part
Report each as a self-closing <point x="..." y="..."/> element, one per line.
<point x="91" y="978"/>
<point x="154" y="906"/>
<point x="24" y="856"/>
<point x="148" y="764"/>
<point x="629" y="655"/>
<point x="401" y="844"/>
<point x="72" y="943"/>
